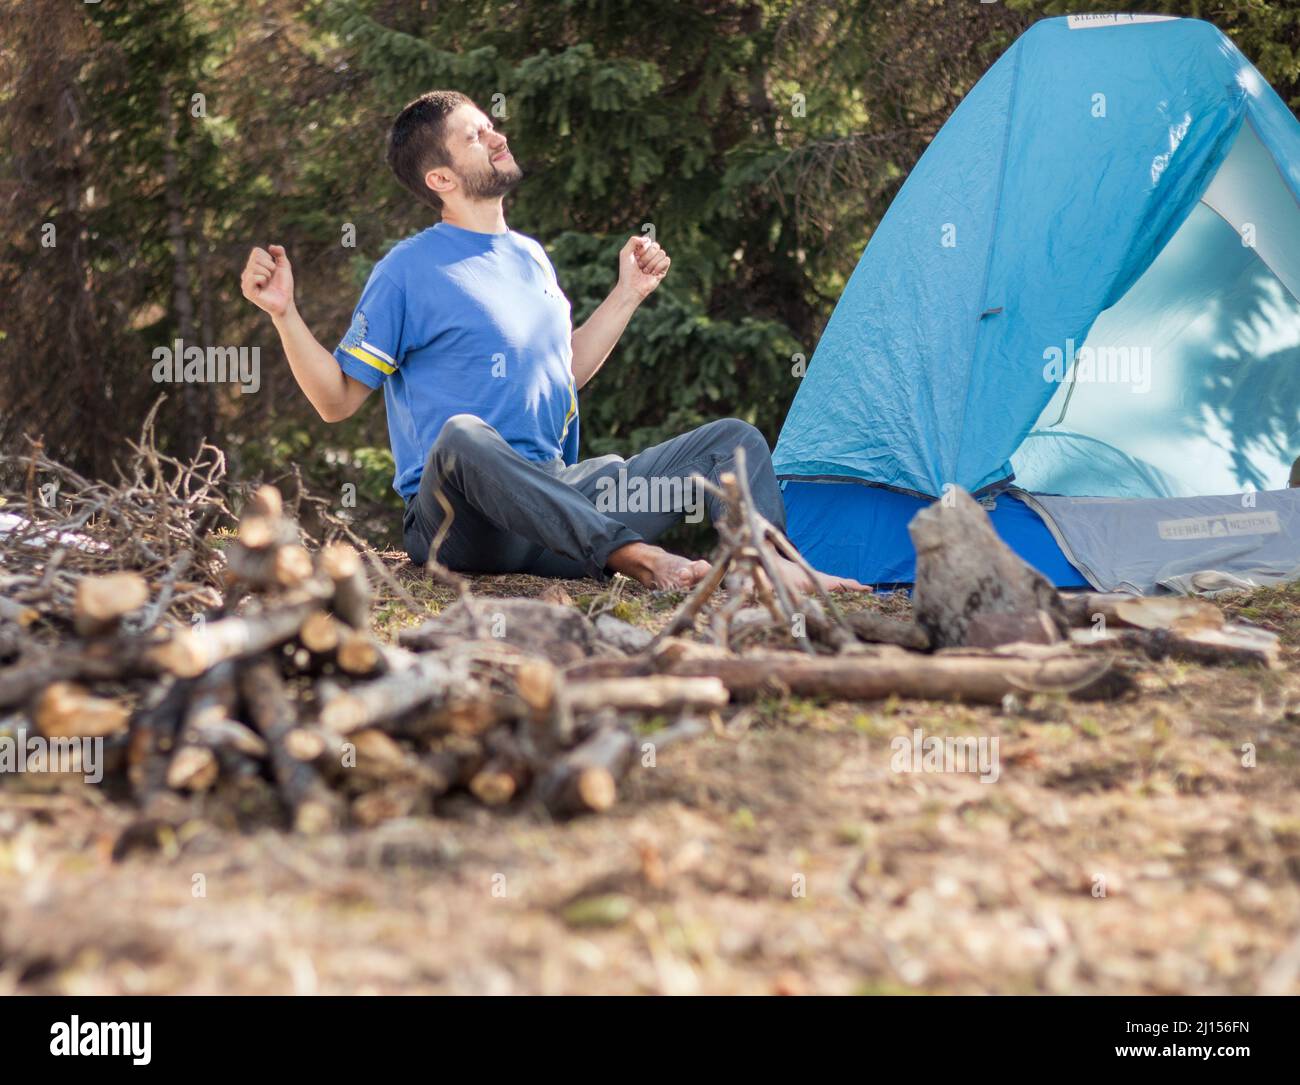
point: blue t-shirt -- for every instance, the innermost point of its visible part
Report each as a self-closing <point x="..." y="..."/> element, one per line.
<point x="454" y="321"/>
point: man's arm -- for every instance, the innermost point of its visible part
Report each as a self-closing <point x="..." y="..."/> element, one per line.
<point x="268" y="283"/>
<point x="642" y="265"/>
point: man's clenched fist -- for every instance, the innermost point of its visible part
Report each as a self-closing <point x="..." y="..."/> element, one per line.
<point x="642" y="265"/>
<point x="268" y="280"/>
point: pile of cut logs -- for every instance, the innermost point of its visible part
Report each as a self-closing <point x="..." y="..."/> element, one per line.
<point x="286" y="688"/>
<point x="282" y="702"/>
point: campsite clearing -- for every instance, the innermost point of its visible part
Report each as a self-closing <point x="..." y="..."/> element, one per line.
<point x="1125" y="847"/>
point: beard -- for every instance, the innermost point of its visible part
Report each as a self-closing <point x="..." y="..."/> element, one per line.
<point x="491" y="183"/>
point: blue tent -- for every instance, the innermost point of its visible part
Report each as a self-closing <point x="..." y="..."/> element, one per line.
<point x="1087" y="287"/>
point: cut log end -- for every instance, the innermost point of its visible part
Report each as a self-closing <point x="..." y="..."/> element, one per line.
<point x="535" y="684"/>
<point x="292" y="566"/>
<point x="304" y="745"/>
<point x="193" y="768"/>
<point x="597" y="789"/>
<point x="339" y="561"/>
<point x="343" y="713"/>
<point x="258" y="532"/>
<point x="493" y="788"/>
<point x="67" y="710"/>
<point x="185" y="655"/>
<point x="101" y="602"/>
<point x="358" y="654"/>
<point x="266" y="501"/>
<point x="313" y="817"/>
<point x="320" y="633"/>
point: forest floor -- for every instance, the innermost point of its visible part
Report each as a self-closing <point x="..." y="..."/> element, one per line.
<point x="1148" y="845"/>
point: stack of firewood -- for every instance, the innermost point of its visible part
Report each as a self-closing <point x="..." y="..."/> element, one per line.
<point x="280" y="700"/>
<point x="286" y="685"/>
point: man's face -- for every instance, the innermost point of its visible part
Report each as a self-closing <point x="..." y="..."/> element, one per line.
<point x="480" y="158"/>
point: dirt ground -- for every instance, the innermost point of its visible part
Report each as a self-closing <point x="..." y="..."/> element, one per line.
<point x="1151" y="845"/>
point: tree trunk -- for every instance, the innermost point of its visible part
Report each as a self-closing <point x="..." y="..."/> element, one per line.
<point x="195" y="398"/>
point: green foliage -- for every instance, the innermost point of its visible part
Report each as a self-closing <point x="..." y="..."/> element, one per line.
<point x="761" y="142"/>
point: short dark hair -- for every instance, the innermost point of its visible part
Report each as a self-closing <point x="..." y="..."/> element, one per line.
<point x="417" y="142"/>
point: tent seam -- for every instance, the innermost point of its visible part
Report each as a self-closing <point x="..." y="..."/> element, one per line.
<point x="992" y="489"/>
<point x="1248" y="120"/>
<point x="1027" y="498"/>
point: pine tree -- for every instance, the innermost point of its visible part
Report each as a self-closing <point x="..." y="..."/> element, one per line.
<point x="761" y="141"/>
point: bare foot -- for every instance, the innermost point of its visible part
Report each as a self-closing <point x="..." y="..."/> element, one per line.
<point x="796" y="578"/>
<point x="656" y="568"/>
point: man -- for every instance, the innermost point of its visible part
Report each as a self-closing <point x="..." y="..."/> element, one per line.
<point x="466" y="328"/>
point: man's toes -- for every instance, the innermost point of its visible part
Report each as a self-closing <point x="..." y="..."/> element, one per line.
<point x="693" y="573"/>
<point x="845" y="584"/>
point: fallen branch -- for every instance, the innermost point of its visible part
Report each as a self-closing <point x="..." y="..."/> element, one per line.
<point x="891" y="672"/>
<point x="1230" y="645"/>
<point x="658" y="693"/>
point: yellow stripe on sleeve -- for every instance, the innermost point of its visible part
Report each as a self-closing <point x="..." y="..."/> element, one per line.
<point x="371" y="360"/>
<point x="572" y="412"/>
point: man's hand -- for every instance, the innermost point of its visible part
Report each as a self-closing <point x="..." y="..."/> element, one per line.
<point x="268" y="283"/>
<point x="268" y="280"/>
<point x="642" y="265"/>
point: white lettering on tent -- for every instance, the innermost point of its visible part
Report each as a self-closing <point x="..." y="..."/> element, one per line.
<point x="1216" y="527"/>
<point x="1086" y="22"/>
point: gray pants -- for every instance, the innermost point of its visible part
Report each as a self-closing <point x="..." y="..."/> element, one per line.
<point x="514" y="515"/>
